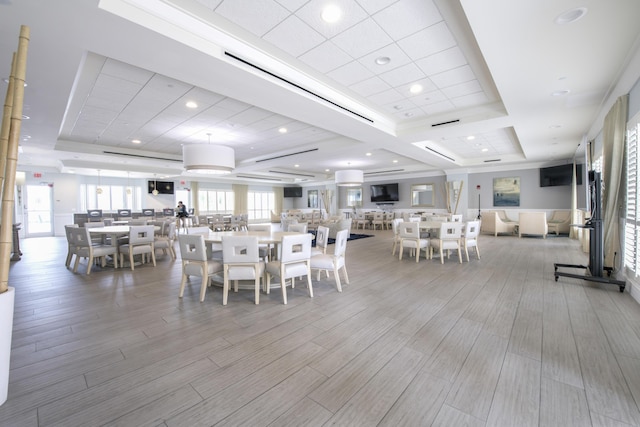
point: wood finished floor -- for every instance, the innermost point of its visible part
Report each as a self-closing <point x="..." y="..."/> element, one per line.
<point x="495" y="342"/>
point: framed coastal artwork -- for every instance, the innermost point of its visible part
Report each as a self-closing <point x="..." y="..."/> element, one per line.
<point x="312" y="199"/>
<point x="506" y="191"/>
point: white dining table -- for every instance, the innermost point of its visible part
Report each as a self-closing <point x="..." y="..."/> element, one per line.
<point x="114" y="231"/>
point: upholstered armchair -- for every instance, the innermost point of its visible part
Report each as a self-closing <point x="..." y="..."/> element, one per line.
<point x="560" y="222"/>
<point x="533" y="223"/>
<point x="335" y="224"/>
<point x="492" y="223"/>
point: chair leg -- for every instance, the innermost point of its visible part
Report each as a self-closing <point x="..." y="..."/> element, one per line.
<point x="183" y="282"/>
<point x="336" y="274"/>
<point x="309" y="285"/>
<point x="225" y="286"/>
<point x="466" y="251"/>
<point x="203" y="285"/>
<point x="257" y="290"/>
<point x="478" y="251"/>
<point x="131" y="258"/>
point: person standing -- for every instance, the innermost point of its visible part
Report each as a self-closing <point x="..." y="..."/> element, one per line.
<point x="181" y="214"/>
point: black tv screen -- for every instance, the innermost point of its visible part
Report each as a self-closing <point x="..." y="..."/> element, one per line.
<point x="163" y="187"/>
<point x="384" y="193"/>
<point x="559" y="175"/>
<point x="292" y="191"/>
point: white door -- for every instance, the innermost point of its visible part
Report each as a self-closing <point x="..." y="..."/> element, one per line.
<point x="38" y="211"/>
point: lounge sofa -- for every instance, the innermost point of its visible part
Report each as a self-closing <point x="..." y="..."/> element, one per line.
<point x="493" y="223"/>
<point x="335" y="224"/>
<point x="533" y="223"/>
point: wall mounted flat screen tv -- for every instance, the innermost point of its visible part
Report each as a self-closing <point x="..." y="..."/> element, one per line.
<point x="385" y="193"/>
<point x="559" y="175"/>
<point x="292" y="191"/>
<point x="163" y="187"/>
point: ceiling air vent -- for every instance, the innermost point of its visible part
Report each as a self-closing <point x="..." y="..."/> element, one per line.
<point x="287" y="155"/>
<point x="246" y="62"/>
<point x="262" y="178"/>
<point x="293" y="173"/>
<point x="439" y="154"/>
<point x="445" y="123"/>
<point x="492" y="160"/>
<point x="141" y="156"/>
<point x="386" y="171"/>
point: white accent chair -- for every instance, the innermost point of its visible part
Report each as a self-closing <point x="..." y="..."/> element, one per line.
<point x="334" y="262"/>
<point x="295" y="255"/>
<point x="448" y="239"/>
<point x="141" y="242"/>
<point x="560" y="222"/>
<point x="241" y="261"/>
<point x="409" y="233"/>
<point x="493" y="223"/>
<point x="195" y="262"/>
<point x="533" y="223"/>
<point x="470" y="237"/>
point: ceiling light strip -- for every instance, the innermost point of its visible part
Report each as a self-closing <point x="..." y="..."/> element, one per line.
<point x="287" y="155"/>
<point x="296" y="86"/>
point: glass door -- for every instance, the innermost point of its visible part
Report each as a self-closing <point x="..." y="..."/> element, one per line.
<point x="38" y="211"/>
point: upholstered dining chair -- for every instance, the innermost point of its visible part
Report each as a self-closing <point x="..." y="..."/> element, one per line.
<point x="85" y="248"/>
<point x="361" y="219"/>
<point x="141" y="242"/>
<point x="448" y="239"/>
<point x="165" y="240"/>
<point x="456" y="218"/>
<point x="470" y="237"/>
<point x="294" y="261"/>
<point x="377" y="221"/>
<point x="264" y="249"/>
<point x="195" y="262"/>
<point x="241" y="261"/>
<point x="409" y="233"/>
<point x="71" y="247"/>
<point x="300" y="227"/>
<point x="396" y="234"/>
<point x="322" y="240"/>
<point x="334" y="262"/>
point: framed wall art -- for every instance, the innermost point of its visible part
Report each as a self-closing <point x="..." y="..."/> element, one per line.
<point x="506" y="191"/>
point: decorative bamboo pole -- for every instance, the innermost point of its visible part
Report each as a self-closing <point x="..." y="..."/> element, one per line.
<point x="455" y="211"/>
<point x="6" y="123"/>
<point x="8" y="194"/>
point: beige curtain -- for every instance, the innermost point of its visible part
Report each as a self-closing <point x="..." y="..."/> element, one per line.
<point x="614" y="131"/>
<point x="278" y="202"/>
<point x="195" y="203"/>
<point x="573" y="233"/>
<point x="240" y="196"/>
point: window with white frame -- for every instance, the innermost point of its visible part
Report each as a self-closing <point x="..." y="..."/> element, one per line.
<point x="260" y="204"/>
<point x="632" y="219"/>
<point x="215" y="201"/>
<point x="110" y="198"/>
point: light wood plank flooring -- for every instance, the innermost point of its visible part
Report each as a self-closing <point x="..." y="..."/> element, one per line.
<point x="491" y="342"/>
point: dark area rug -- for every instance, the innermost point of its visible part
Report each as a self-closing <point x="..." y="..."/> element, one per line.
<point x="353" y="236"/>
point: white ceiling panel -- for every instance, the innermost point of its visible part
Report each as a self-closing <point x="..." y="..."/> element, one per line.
<point x="305" y="40"/>
<point x="406" y="17"/>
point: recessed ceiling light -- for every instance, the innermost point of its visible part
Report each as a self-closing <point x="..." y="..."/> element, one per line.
<point x="296" y="166"/>
<point x="555" y="127"/>
<point x="560" y="92"/>
<point x="191" y="104"/>
<point x="367" y="154"/>
<point x="135" y="141"/>
<point x="282" y="130"/>
<point x="331" y="13"/>
<point x="484" y="150"/>
<point x="416" y="88"/>
<point x="327" y="170"/>
<point x="408" y="114"/>
<point x="383" y="60"/>
<point x="395" y="161"/>
<point x="471" y="138"/>
<point x="571" y="15"/>
<point x="397" y="107"/>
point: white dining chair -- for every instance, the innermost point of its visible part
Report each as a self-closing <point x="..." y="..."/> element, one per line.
<point x="294" y="261"/>
<point x="85" y="248"/>
<point x="334" y="262"/>
<point x="166" y="238"/>
<point x="470" y="237"/>
<point x="71" y="247"/>
<point x="300" y="227"/>
<point x="449" y="237"/>
<point x="141" y="242"/>
<point x="410" y="238"/>
<point x="396" y="234"/>
<point x="195" y="262"/>
<point x="322" y="240"/>
<point x="241" y="261"/>
<point x="264" y="249"/>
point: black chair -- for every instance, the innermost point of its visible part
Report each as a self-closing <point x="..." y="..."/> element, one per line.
<point x="94" y="215"/>
<point x="148" y="212"/>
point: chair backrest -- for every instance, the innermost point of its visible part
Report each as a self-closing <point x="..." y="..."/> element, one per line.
<point x="409" y="230"/>
<point x="148" y="212"/>
<point x="138" y="221"/>
<point x="378" y="216"/>
<point x="450" y="231"/>
<point x="286" y="222"/>
<point x="141" y="234"/>
<point x="192" y="247"/>
<point x="240" y="249"/>
<point x="67" y="231"/>
<point x="80" y="236"/>
<point x="198" y="230"/>
<point x="94" y="215"/>
<point x="171" y="230"/>
<point x="298" y="228"/>
<point x="322" y="237"/>
<point x="394" y="225"/>
<point x="107" y="221"/>
<point x="472" y="229"/>
<point x="93" y="224"/>
<point x="414" y="218"/>
<point x="456" y="218"/>
<point x="259" y="227"/>
<point x="341" y="243"/>
<point x="295" y="247"/>
<point x="124" y="213"/>
<point x="168" y="212"/>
